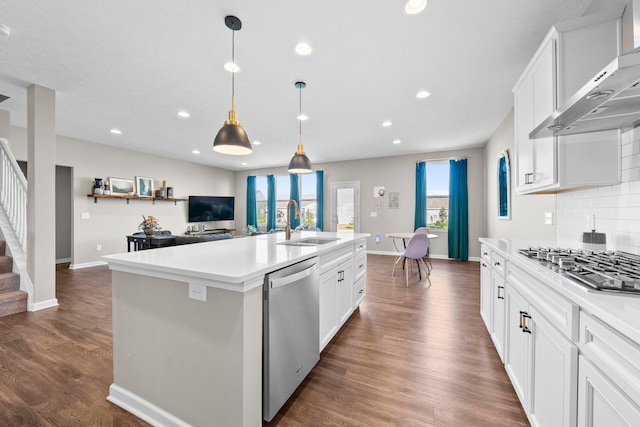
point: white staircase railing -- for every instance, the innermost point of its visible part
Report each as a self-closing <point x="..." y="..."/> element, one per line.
<point x="13" y="193"/>
<point x="13" y="216"/>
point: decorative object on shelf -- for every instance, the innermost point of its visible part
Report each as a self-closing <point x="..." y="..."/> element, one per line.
<point x="300" y="163"/>
<point x="98" y="186"/>
<point x="232" y="138"/>
<point x="504" y="186"/>
<point x="144" y="186"/>
<point x="169" y="192"/>
<point x="149" y="225"/>
<point x="121" y="186"/>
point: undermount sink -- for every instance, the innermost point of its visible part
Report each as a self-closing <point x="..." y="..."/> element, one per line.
<point x="309" y="241"/>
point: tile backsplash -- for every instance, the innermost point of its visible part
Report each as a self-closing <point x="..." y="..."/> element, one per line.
<point x="616" y="207"/>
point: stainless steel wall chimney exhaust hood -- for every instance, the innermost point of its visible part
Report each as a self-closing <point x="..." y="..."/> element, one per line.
<point x="611" y="100"/>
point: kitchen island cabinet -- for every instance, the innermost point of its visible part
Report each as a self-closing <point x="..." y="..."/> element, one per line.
<point x="187" y="326"/>
<point x="560" y="67"/>
<point x="572" y="354"/>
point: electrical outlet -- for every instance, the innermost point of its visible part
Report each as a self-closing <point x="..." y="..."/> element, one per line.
<point x="198" y="292"/>
<point x="98" y="248"/>
<point x="85" y="215"/>
<point x="373" y="214"/>
<point x="548" y="218"/>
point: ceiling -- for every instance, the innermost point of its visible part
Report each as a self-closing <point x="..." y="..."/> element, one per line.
<point x="132" y="65"/>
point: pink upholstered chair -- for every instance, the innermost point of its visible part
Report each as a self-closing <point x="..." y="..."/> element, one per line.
<point x="416" y="250"/>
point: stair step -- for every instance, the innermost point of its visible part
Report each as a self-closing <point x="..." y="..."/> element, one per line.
<point x="6" y="264"/>
<point x="13" y="302"/>
<point x="9" y="282"/>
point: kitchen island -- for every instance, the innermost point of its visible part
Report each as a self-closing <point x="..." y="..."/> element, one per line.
<point x="187" y="323"/>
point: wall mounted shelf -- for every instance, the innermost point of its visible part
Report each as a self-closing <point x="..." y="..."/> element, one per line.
<point x="127" y="198"/>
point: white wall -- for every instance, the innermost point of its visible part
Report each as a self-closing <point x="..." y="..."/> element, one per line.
<point x="527" y="211"/>
<point x="617" y="207"/>
<point x="396" y="174"/>
<point x="112" y="219"/>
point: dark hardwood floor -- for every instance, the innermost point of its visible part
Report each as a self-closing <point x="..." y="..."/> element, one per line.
<point x="417" y="356"/>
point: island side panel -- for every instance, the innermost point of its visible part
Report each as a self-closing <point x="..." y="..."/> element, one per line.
<point x="199" y="361"/>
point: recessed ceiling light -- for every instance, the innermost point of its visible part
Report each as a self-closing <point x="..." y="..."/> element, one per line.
<point x="302" y="117"/>
<point x="413" y="7"/>
<point x="195" y="151"/>
<point x="303" y="49"/>
<point x="396" y="141"/>
<point x="386" y="124"/>
<point x="243" y="164"/>
<point x="4" y="30"/>
<point x="116" y="131"/>
<point x="422" y="94"/>
<point x="231" y="67"/>
<point x="184" y="114"/>
<point x="257" y="142"/>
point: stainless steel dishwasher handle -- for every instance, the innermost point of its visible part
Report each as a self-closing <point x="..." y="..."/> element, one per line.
<point x="283" y="281"/>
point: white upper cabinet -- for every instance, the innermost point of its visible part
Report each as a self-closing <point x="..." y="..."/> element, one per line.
<point x="571" y="54"/>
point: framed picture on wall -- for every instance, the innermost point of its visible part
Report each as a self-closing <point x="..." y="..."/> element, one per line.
<point x="144" y="186"/>
<point x="121" y="186"/>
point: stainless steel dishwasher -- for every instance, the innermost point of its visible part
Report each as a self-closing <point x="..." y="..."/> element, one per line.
<point x="290" y="344"/>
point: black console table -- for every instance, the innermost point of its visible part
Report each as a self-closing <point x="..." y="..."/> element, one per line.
<point x="141" y="241"/>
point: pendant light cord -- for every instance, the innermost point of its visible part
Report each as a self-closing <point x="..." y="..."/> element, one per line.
<point x="233" y="68"/>
<point x="300" y="115"/>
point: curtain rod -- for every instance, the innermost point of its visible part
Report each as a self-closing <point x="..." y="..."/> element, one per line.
<point x="445" y="159"/>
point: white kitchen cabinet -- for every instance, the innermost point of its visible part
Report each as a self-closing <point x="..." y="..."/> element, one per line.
<point x="492" y="296"/>
<point x="601" y="403"/>
<point x="485" y="285"/>
<point x="609" y="380"/>
<point x="498" y="310"/>
<point x="571" y="54"/>
<point x="342" y="288"/>
<point x="540" y="360"/>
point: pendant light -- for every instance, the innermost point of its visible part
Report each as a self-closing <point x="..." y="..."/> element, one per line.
<point x="232" y="138"/>
<point x="300" y="162"/>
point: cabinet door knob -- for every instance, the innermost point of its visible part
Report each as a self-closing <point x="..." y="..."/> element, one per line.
<point x="496" y="263"/>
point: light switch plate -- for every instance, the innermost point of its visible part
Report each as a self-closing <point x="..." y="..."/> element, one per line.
<point x="198" y="292"/>
<point x="85" y="215"/>
<point x="548" y="218"/>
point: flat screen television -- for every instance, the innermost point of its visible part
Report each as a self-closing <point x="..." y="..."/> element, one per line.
<point x="210" y="208"/>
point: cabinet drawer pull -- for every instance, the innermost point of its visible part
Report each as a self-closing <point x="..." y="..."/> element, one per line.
<point x="499" y="296"/>
<point x="521" y="320"/>
<point x="525" y="316"/>
<point x="484" y="265"/>
<point x="485" y="253"/>
<point x="361" y="265"/>
<point x="496" y="263"/>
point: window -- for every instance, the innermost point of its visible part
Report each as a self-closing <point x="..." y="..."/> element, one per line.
<point x="283" y="187"/>
<point x="438" y="196"/>
<point x="308" y="200"/>
<point x="261" y="202"/>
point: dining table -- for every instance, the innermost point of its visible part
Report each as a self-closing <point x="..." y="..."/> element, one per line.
<point x="405" y="237"/>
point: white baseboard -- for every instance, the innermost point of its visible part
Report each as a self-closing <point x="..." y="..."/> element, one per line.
<point x="63" y="260"/>
<point x="86" y="265"/>
<point x="37" y="306"/>
<point x="142" y="408"/>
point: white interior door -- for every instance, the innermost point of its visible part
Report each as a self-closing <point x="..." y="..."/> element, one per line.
<point x="345" y="206"/>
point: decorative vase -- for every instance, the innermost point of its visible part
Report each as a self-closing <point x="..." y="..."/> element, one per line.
<point x="149" y="231"/>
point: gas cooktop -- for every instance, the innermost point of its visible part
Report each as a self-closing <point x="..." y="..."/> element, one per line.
<point x="613" y="271"/>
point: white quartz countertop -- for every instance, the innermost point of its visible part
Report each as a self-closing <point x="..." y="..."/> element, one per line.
<point x="621" y="311"/>
<point x="236" y="264"/>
